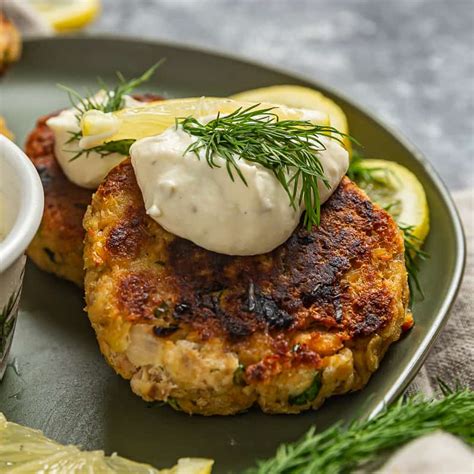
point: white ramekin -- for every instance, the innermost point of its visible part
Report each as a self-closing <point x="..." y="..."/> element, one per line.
<point x="22" y="193"/>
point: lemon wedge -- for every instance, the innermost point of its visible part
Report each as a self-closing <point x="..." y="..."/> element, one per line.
<point x="190" y="466"/>
<point x="301" y="98"/>
<point x="155" y="117"/>
<point x="399" y="191"/>
<point x="27" y="451"/>
<point x="67" y="15"/>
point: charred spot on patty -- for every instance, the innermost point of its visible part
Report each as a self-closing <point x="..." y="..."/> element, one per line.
<point x="181" y="309"/>
<point x="165" y="331"/>
<point x="267" y="310"/>
<point x="51" y="255"/>
<point x="127" y="237"/>
<point x="192" y="264"/>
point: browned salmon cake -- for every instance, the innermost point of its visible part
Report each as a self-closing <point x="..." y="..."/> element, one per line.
<point x="58" y="244"/>
<point x="216" y="334"/>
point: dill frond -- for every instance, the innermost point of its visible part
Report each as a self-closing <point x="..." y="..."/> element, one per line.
<point x="341" y="450"/>
<point x="289" y="148"/>
<point x="113" y="101"/>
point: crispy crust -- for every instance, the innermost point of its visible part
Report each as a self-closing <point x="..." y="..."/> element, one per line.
<point x="329" y="301"/>
<point x="58" y="244"/>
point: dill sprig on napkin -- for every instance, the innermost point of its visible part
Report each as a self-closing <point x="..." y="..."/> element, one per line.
<point x="339" y="450"/>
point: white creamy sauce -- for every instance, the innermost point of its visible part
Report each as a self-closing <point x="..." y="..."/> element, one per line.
<point x="6" y="217"/>
<point x="90" y="169"/>
<point x="202" y="204"/>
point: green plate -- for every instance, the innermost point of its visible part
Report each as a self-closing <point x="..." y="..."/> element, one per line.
<point x="58" y="381"/>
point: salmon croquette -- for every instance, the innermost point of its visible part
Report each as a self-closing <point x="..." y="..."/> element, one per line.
<point x="214" y="334"/>
<point x="58" y="245"/>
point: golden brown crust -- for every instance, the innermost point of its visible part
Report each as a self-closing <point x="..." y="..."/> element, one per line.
<point x="341" y="286"/>
<point x="58" y="244"/>
<point x="297" y="286"/>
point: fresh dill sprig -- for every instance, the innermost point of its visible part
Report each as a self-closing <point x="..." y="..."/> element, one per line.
<point x="122" y="147"/>
<point x="363" y="174"/>
<point x="113" y="101"/>
<point x="114" y="98"/>
<point x="289" y="148"/>
<point x="413" y="254"/>
<point x="341" y="450"/>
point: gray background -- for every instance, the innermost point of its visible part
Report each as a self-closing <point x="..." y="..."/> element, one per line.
<point x="409" y="61"/>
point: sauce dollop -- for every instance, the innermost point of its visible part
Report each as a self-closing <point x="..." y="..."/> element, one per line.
<point x="91" y="168"/>
<point x="202" y="204"/>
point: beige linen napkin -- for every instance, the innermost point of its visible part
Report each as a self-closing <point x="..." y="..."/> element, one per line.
<point x="452" y="360"/>
<point x="452" y="357"/>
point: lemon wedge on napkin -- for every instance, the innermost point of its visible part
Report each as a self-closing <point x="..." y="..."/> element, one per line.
<point x="67" y="15"/>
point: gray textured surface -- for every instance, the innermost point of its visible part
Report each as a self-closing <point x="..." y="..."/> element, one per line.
<point x="410" y="61"/>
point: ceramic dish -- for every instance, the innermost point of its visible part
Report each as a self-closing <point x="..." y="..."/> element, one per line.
<point x="58" y="380"/>
<point x="21" y="208"/>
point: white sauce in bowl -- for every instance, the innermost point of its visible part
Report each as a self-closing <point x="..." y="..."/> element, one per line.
<point x="6" y="215"/>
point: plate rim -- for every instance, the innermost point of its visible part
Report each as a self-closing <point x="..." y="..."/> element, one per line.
<point x="443" y="314"/>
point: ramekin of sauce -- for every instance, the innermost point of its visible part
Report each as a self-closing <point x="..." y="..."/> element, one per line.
<point x="21" y="209"/>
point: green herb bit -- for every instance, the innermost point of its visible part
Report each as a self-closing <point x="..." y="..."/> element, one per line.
<point x="341" y="450"/>
<point x="121" y="147"/>
<point x="172" y="402"/>
<point x="362" y="174"/>
<point x="113" y="97"/>
<point x="238" y="377"/>
<point x="309" y="394"/>
<point x="289" y="148"/>
<point x="413" y="253"/>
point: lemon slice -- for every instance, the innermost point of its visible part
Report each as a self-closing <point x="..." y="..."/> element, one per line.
<point x="27" y="451"/>
<point x="190" y="466"/>
<point x="154" y="118"/>
<point x="67" y="15"/>
<point x="399" y="191"/>
<point x="301" y="98"/>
